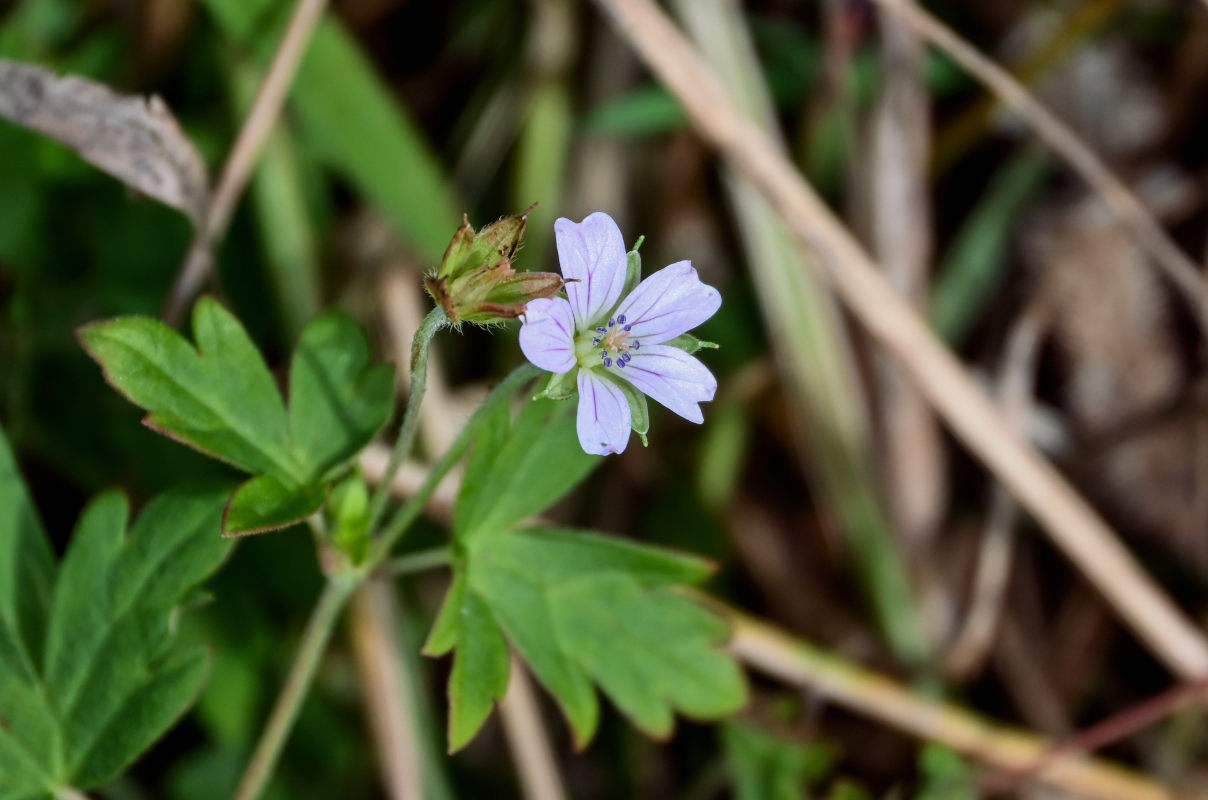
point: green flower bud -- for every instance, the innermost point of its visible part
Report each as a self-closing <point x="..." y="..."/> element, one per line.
<point x="348" y="516"/>
<point x="476" y="282"/>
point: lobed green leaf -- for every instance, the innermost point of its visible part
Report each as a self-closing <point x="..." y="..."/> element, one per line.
<point x="107" y="682"/>
<point x="338" y="400"/>
<point x="580" y="607"/>
<point x="521" y="470"/>
<point x="221" y="399"/>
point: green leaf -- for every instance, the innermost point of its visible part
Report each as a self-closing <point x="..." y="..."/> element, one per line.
<point x="520" y="471"/>
<point x="264" y="503"/>
<point x="338" y="401"/>
<point x="111" y="680"/>
<point x="352" y="121"/>
<point x="221" y="399"/>
<point x="480" y="666"/>
<point x="945" y="776"/>
<point x="974" y="264"/>
<point x="26" y="563"/>
<point x="652" y="652"/>
<point x="577" y="607"/>
<point x="160" y="700"/>
<point x="480" y="672"/>
<point x="767" y="767"/>
<point x="109" y="622"/>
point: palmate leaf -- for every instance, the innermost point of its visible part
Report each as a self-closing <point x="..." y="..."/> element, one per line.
<point x="109" y="680"/>
<point x="220" y="398"/>
<point x="521" y="468"/>
<point x="583" y="608"/>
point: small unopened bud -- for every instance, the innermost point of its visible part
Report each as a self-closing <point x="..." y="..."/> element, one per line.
<point x="348" y="516"/>
<point x="476" y="282"/>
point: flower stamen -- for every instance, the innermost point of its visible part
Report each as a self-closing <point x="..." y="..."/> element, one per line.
<point x="614" y="341"/>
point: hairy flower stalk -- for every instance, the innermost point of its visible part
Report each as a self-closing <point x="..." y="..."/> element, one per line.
<point x="618" y="349"/>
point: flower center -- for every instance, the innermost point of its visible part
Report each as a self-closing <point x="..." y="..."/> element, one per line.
<point x="612" y="342"/>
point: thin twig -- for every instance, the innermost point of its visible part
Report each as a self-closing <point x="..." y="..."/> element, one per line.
<point x="1070" y="521"/>
<point x="528" y="738"/>
<point x="238" y="167"/>
<point x="776" y="653"/>
<point x="1119" y="726"/>
<point x="900" y="221"/>
<point x="812" y="347"/>
<point x="384" y="681"/>
<point x="972" y="643"/>
<point x="339" y="587"/>
<point x="1178" y="267"/>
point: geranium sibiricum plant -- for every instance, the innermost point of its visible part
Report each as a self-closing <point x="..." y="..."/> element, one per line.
<point x="613" y="340"/>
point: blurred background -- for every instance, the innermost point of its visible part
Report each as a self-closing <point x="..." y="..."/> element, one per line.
<point x="834" y="503"/>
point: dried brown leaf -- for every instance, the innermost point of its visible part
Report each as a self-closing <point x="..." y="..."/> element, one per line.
<point x="133" y="138"/>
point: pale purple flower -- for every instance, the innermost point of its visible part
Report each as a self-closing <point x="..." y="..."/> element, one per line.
<point x="614" y="342"/>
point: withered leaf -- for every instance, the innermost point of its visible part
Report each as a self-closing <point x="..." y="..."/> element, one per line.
<point x="133" y="138"/>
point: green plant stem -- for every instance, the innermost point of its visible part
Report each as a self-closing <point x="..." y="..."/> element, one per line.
<point x="432" y="323"/>
<point x="382" y="544"/>
<point x="418" y="562"/>
<point x="297" y="685"/>
<point x="341" y="586"/>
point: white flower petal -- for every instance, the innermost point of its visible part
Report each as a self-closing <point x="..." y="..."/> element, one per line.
<point x="592" y="255"/>
<point x="670" y="302"/>
<point x="672" y="378"/>
<point x="603" y="420"/>
<point x="547" y="334"/>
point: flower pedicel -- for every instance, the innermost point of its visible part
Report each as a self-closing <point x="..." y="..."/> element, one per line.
<point x="611" y="345"/>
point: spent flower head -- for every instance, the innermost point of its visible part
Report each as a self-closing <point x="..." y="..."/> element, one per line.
<point x="476" y="281"/>
<point x="616" y="349"/>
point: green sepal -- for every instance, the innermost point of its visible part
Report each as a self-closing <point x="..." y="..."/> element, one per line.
<point x="633" y="268"/>
<point x="639" y="411"/>
<point x="560" y="387"/>
<point x="690" y="344"/>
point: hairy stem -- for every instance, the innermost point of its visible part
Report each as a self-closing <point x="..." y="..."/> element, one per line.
<point x="406" y="433"/>
<point x="405" y="516"/>
<point x="318" y="631"/>
<point x="340" y="587"/>
<point x="419" y="561"/>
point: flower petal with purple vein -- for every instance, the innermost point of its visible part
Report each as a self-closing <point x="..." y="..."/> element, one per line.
<point x="672" y="378"/>
<point x="670" y="302"/>
<point x="603" y="420"/>
<point x="592" y="255"/>
<point x="547" y="336"/>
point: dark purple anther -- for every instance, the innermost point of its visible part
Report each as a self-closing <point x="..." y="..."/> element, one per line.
<point x="596" y="340"/>
<point x="636" y="344"/>
<point x="628" y="327"/>
<point x="602" y="330"/>
<point x="625" y="357"/>
<point x="621" y="319"/>
<point x="612" y="322"/>
<point x="607" y="361"/>
<point x="620" y="362"/>
<point x="603" y="354"/>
